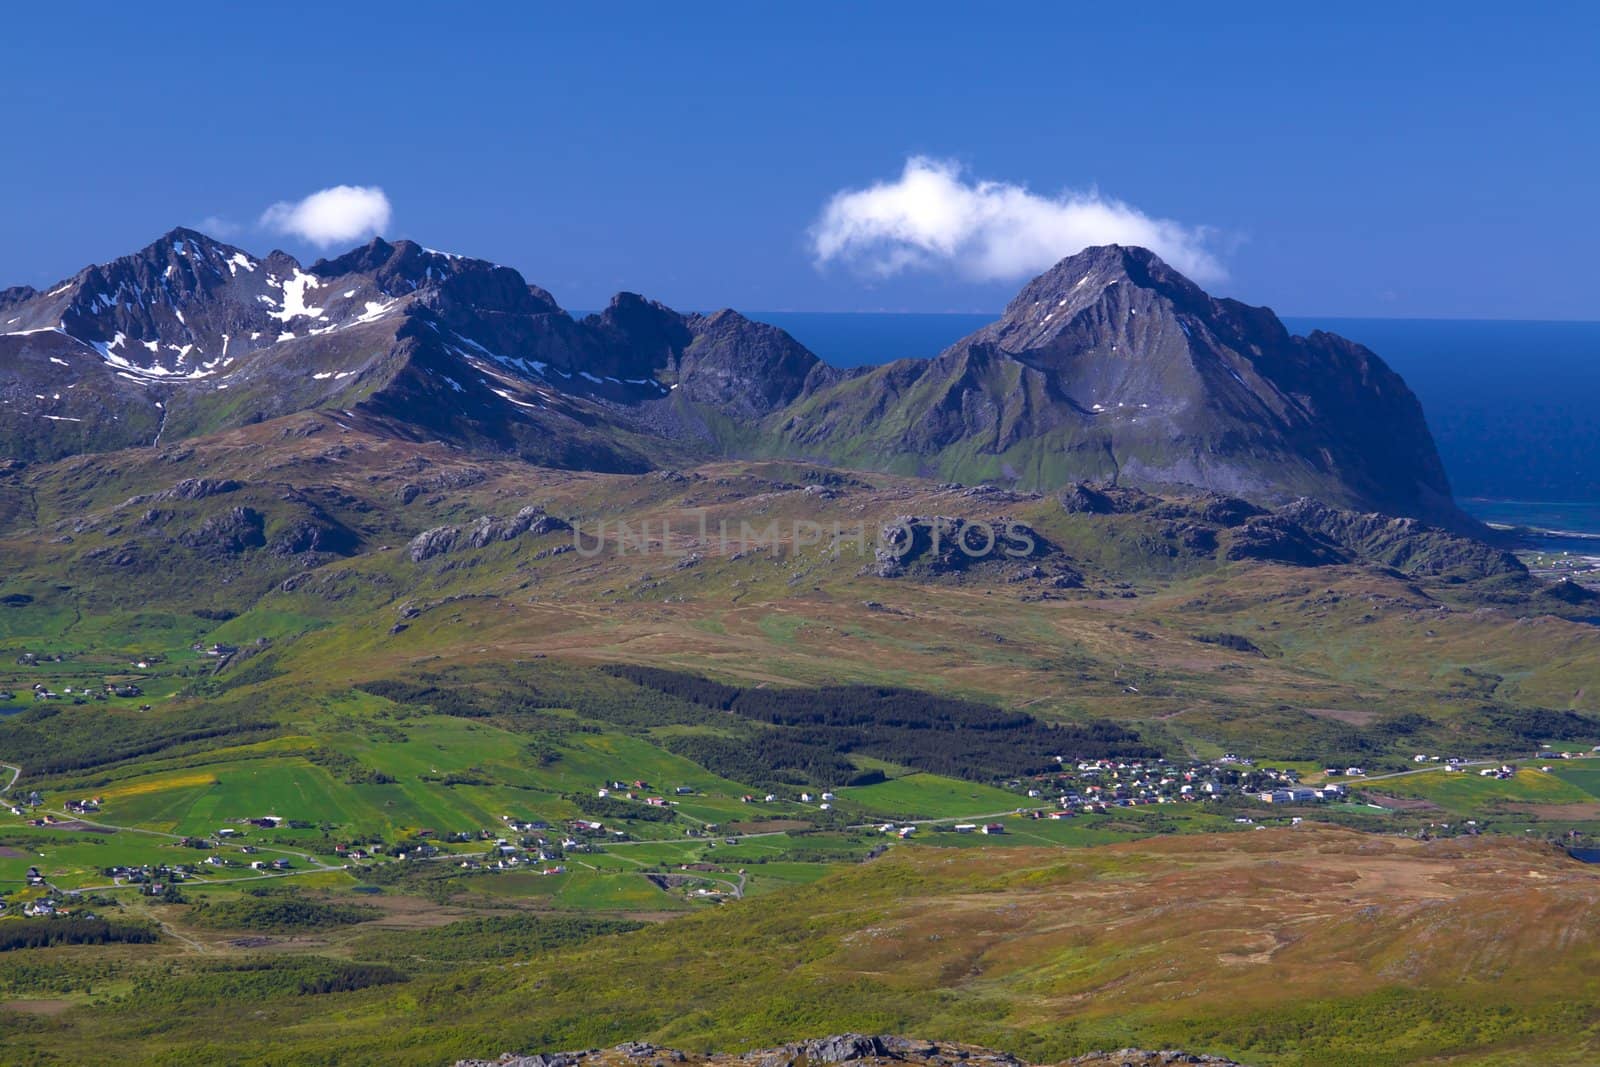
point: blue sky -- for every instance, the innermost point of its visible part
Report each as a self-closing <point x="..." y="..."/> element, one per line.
<point x="1432" y="161"/>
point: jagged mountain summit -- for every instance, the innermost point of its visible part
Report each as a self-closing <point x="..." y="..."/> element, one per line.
<point x="1111" y="366"/>
<point x="190" y="335"/>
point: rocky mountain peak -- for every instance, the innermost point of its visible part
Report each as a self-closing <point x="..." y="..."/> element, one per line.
<point x="1100" y="266"/>
<point x="636" y="337"/>
<point x="158" y="310"/>
<point x="639" y="316"/>
<point x="1109" y="284"/>
<point x="177" y="268"/>
<point x="1111" y="365"/>
<point x="404" y="267"/>
<point x="744" y="366"/>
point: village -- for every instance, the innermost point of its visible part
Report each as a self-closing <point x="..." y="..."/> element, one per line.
<point x="617" y="814"/>
<point x="1098" y="785"/>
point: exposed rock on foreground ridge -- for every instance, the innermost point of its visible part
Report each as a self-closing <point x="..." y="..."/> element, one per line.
<point x="867" y="1051"/>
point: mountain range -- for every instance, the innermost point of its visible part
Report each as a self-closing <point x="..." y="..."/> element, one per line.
<point x="328" y="583"/>
<point x="1110" y="367"/>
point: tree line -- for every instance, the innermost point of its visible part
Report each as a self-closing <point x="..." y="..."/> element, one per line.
<point x="814" y="730"/>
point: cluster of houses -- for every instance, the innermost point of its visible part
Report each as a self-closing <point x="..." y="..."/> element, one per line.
<point x="535" y="847"/>
<point x="1099" y="785"/>
<point x="824" y="799"/>
<point x="1456" y="763"/>
<point x="1552" y="754"/>
<point x="903" y="832"/>
<point x="87" y="692"/>
<point x="31" y="801"/>
<point x="823" y="802"/>
<point x="44" y="908"/>
<point x="260" y="822"/>
<point x="1300" y="794"/>
<point x="152" y="880"/>
<point x="623" y="791"/>
<point x="508" y="857"/>
<point x="282" y="863"/>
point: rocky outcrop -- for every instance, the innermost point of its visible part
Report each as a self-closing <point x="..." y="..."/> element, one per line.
<point x="489" y="529"/>
<point x="942" y="546"/>
<point x="231" y="531"/>
<point x="1405" y="545"/>
<point x="1275" y="539"/>
<point x="1301" y="533"/>
<point x="484" y="531"/>
<point x="868" y="1051"/>
<point x="200" y="488"/>
<point x="430" y="543"/>
<point x="314" y="535"/>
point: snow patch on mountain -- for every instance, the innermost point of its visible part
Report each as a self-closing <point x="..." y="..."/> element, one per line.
<point x="294" y="291"/>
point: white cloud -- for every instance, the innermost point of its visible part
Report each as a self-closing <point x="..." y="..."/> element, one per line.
<point x="331" y="216"/>
<point x="220" y="227"/>
<point x="931" y="218"/>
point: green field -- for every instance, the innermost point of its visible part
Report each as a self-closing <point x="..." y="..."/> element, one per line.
<point x="1468" y="793"/>
<point x="1584" y="774"/>
<point x="579" y="889"/>
<point x="930" y="796"/>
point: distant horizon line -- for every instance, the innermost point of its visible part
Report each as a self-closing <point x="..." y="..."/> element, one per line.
<point x="998" y="313"/>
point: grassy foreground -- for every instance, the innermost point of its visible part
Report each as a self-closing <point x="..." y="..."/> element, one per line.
<point x="1284" y="946"/>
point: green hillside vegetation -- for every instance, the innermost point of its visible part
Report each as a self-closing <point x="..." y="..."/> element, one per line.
<point x="1046" y="951"/>
<point x="311" y="707"/>
<point x="277" y="911"/>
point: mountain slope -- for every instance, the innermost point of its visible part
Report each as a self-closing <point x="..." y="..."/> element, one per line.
<point x="1112" y="366"/>
<point x="189" y="336"/>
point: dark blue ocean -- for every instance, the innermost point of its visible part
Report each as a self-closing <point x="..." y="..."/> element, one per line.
<point x="1514" y="406"/>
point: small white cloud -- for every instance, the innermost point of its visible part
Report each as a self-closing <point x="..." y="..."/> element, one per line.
<point x="332" y="216"/>
<point x="217" y="226"/>
<point x="931" y="218"/>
